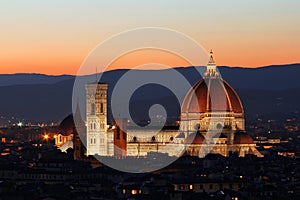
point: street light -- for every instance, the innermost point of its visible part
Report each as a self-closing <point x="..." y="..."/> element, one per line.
<point x="46" y="137"/>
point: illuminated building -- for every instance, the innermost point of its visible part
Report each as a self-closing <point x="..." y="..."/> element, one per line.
<point x="210" y="106"/>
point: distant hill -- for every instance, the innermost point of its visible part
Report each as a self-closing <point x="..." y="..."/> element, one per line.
<point x="37" y="102"/>
<point x="41" y="97"/>
<point x="31" y="79"/>
<point x="278" y="77"/>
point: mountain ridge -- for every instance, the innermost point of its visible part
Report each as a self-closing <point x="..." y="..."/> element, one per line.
<point x="262" y="91"/>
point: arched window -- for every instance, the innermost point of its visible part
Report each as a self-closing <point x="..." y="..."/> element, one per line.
<point x="134" y="139"/>
<point x="153" y="139"/>
<point x="94" y="140"/>
<point x="93" y="109"/>
<point x="94" y="125"/>
<point x="101" y="108"/>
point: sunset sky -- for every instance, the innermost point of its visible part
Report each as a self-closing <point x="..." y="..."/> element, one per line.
<point x="55" y="36"/>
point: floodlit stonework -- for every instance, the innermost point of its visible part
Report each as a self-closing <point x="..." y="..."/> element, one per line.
<point x="212" y="121"/>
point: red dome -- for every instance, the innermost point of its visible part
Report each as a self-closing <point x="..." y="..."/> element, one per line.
<point x="242" y="138"/>
<point x="199" y="98"/>
<point x="195" y="138"/>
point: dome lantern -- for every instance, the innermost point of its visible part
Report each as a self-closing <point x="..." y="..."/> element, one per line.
<point x="211" y="69"/>
<point x="211" y="101"/>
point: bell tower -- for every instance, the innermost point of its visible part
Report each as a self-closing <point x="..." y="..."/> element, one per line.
<point x="96" y="114"/>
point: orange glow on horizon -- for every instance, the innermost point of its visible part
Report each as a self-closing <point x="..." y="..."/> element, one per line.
<point x="54" y="64"/>
<point x="155" y="58"/>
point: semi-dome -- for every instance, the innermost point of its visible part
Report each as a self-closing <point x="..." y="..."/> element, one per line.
<point x="195" y="138"/>
<point x="67" y="126"/>
<point x="242" y="138"/>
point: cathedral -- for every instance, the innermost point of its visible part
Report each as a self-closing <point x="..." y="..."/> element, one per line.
<point x="212" y="121"/>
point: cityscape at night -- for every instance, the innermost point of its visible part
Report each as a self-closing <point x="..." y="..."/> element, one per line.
<point x="138" y="100"/>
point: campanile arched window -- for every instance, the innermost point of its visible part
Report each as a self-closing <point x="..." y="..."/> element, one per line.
<point x="101" y="108"/>
<point x="93" y="109"/>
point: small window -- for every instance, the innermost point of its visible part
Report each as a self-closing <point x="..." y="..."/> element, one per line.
<point x="219" y="126"/>
<point x="181" y="187"/>
<point x="118" y="133"/>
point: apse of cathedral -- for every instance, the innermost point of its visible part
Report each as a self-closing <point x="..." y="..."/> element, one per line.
<point x="212" y="121"/>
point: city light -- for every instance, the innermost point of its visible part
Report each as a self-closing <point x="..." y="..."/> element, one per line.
<point x="134" y="192"/>
<point x="19" y="124"/>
